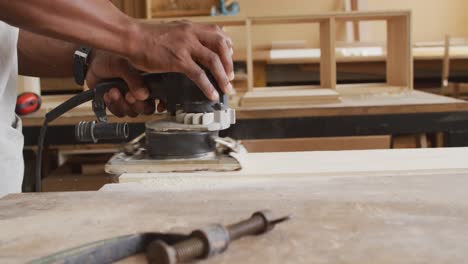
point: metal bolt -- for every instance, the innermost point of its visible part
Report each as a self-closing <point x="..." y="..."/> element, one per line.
<point x="211" y="240"/>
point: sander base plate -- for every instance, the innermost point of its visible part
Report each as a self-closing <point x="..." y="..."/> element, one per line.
<point x="140" y="163"/>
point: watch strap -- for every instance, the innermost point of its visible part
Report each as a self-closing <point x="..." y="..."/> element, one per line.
<point x="81" y="63"/>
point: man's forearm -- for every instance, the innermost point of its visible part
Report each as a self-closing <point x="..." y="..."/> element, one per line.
<point x="180" y="46"/>
<point x="44" y="57"/>
<point x="97" y="23"/>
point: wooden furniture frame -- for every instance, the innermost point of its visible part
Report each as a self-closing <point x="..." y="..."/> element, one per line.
<point x="399" y="56"/>
<point x="451" y="88"/>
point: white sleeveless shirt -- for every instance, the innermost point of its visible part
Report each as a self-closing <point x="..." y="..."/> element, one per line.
<point x="11" y="138"/>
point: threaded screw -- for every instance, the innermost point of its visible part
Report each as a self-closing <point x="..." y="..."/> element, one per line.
<point x="189" y="249"/>
<point x="213" y="240"/>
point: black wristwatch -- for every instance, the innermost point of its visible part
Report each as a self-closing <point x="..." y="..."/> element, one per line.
<point x="81" y="63"/>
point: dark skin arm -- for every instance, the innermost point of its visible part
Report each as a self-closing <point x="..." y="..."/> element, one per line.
<point x="43" y="56"/>
<point x="48" y="57"/>
<point x="170" y="47"/>
<point x="94" y="22"/>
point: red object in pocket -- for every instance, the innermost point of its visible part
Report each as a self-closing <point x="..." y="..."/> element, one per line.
<point x="27" y="103"/>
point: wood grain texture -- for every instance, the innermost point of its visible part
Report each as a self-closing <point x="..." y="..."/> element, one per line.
<point x="355" y="24"/>
<point x="180" y="8"/>
<point x="446" y="64"/>
<point x="249" y="61"/>
<point x="327" y="55"/>
<point x="399" y="52"/>
<point x="407" y="218"/>
<point x="314" y="144"/>
<point x="321" y="163"/>
<point x="149" y="9"/>
<point x="390" y="102"/>
<point x="288" y="96"/>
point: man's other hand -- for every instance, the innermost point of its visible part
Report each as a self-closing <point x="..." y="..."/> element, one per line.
<point x="106" y="65"/>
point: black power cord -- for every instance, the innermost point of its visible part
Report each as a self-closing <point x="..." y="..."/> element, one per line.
<point x="66" y="106"/>
<point x="99" y="108"/>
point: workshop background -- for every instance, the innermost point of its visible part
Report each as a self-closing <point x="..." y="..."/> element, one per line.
<point x="286" y="52"/>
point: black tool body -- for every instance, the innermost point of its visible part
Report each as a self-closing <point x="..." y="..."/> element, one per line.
<point x="175" y="89"/>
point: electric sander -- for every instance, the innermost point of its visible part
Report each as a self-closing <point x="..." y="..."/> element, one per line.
<point x="188" y="139"/>
<point x="189" y="132"/>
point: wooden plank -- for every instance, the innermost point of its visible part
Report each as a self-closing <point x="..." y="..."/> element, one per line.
<point x="260" y="76"/>
<point x="359" y="100"/>
<point x="314" y="144"/>
<point x="327" y="55"/>
<point x="341" y="16"/>
<point x="378" y="89"/>
<point x="166" y="8"/>
<point x="404" y="141"/>
<point x="399" y="55"/>
<point x="297" y="19"/>
<point x="288" y="96"/>
<point x="282" y="88"/>
<point x="402" y="162"/>
<point x="180" y="13"/>
<point x="404" y="206"/>
<point x="249" y="59"/>
<point x="291" y="96"/>
<point x="289" y="44"/>
<point x="149" y="4"/>
<point x="419" y="54"/>
<point x="366" y="219"/>
<point x="356" y="29"/>
<point x="219" y="20"/>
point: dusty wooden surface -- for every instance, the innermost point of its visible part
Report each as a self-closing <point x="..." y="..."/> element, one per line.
<point x="265" y="166"/>
<point x="368" y="219"/>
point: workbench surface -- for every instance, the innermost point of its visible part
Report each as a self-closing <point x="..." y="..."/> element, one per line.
<point x="411" y="217"/>
<point x="352" y="103"/>
<point x="306" y="55"/>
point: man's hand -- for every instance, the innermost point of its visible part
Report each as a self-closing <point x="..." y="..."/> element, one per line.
<point x="170" y="47"/>
<point x="182" y="47"/>
<point x="106" y="65"/>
